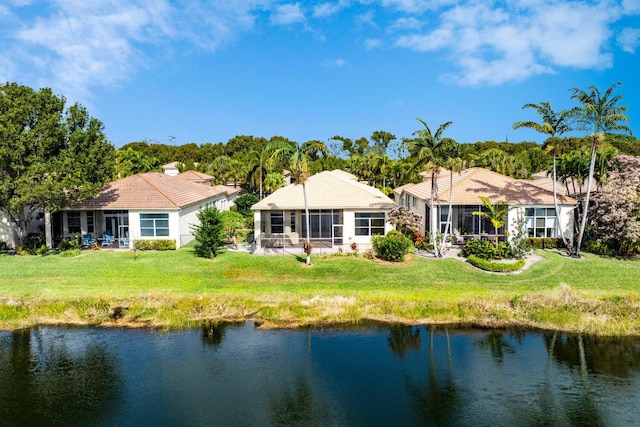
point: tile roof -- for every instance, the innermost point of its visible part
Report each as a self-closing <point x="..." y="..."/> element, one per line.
<point x="334" y="189"/>
<point x="474" y="182"/>
<point x="195" y="176"/>
<point x="151" y="190"/>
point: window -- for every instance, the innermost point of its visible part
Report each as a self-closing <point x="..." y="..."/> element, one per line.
<point x="293" y="222"/>
<point x="414" y="201"/>
<point x="73" y="222"/>
<point x="277" y="222"/>
<point x="91" y="221"/>
<point x="541" y="222"/>
<point x="154" y="225"/>
<point x="321" y="223"/>
<point x="369" y="223"/>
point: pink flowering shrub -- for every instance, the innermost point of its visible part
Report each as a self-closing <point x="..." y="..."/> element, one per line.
<point x="615" y="212"/>
<point x="404" y="220"/>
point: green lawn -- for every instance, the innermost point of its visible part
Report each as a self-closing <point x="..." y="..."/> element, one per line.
<point x="175" y="288"/>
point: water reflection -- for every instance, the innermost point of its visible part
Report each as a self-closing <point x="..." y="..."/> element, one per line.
<point x="232" y="374"/>
<point x="48" y="379"/>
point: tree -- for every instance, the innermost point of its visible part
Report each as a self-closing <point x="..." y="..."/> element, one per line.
<point x="432" y="151"/>
<point x="616" y="211"/>
<point x="405" y="221"/>
<point x="601" y="113"/>
<point x="244" y="204"/>
<point x="496" y="213"/>
<point x="553" y="124"/>
<point x="49" y="156"/>
<point x="208" y="232"/>
<point x="231" y="223"/>
<point x="130" y="162"/>
<point x="299" y="165"/>
<point x="381" y="141"/>
<point x="273" y="181"/>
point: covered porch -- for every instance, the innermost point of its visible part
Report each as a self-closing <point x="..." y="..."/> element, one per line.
<point x="288" y="228"/>
<point x="94" y="228"/>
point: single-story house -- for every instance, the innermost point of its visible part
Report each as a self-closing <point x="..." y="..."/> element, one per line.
<point x="342" y="211"/>
<point x="524" y="199"/>
<point x="143" y="206"/>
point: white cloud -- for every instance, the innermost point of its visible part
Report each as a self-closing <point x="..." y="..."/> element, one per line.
<point x="73" y="46"/>
<point x="287" y="14"/>
<point x="327" y="9"/>
<point x="371" y="44"/>
<point x="86" y="44"/>
<point x="406" y="24"/>
<point x="493" y="45"/>
<point x="417" y="6"/>
<point x="334" y="63"/>
<point x="629" y="39"/>
<point x="631" y="6"/>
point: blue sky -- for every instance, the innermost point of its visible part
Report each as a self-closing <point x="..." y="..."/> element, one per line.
<point x="204" y="71"/>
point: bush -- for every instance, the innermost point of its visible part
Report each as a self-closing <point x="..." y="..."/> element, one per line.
<point x="392" y="247"/>
<point x="487" y="250"/>
<point x="498" y="267"/>
<point x="209" y="232"/>
<point x="544" y="242"/>
<point x="244" y="204"/>
<point x="23" y="250"/>
<point x="72" y="242"/>
<point x="599" y="248"/>
<point x="155" y="245"/>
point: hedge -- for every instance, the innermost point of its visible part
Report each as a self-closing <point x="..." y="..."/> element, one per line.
<point x="544" y="242"/>
<point x="498" y="267"/>
<point x="155" y="245"/>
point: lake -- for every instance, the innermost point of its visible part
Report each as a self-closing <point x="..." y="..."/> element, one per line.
<point x="371" y="375"/>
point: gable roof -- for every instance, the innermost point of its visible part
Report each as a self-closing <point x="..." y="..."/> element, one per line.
<point x="152" y="190"/>
<point x="474" y="182"/>
<point x="334" y="189"/>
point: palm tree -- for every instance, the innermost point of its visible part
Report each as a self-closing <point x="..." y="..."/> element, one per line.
<point x="431" y="151"/>
<point x="496" y="213"/>
<point x="601" y="113"/>
<point x="257" y="169"/>
<point x="453" y="164"/>
<point x="553" y="124"/>
<point x="298" y="158"/>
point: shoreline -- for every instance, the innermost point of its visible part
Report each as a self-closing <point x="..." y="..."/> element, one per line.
<point x="563" y="311"/>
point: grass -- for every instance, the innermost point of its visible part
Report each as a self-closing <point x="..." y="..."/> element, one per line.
<point x="176" y="289"/>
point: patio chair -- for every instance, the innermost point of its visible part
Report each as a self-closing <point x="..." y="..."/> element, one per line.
<point x="107" y="240"/>
<point x="88" y="240"/>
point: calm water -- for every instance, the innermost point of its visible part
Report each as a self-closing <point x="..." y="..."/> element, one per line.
<point x="236" y="375"/>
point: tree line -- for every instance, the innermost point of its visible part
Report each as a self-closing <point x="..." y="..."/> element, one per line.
<point x="52" y="155"/>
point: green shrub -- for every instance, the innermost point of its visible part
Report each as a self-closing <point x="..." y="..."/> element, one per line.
<point x="209" y="232"/>
<point x="3" y="245"/>
<point x="544" y="242"/>
<point x="23" y="250"/>
<point x="392" y="247"/>
<point x="599" y="248"/>
<point x="155" y="245"/>
<point x="70" y="253"/>
<point x="498" y="267"/>
<point x="244" y="204"/>
<point x="72" y="242"/>
<point x="486" y="250"/>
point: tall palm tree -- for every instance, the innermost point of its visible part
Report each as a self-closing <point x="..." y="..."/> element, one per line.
<point x="298" y="159"/>
<point x="600" y="113"/>
<point x="431" y="151"/>
<point x="553" y="124"/>
<point x="453" y="164"/>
